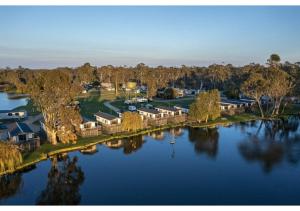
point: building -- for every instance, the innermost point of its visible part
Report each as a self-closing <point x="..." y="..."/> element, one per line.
<point x="183" y="109"/>
<point x="3" y="132"/>
<point x="21" y="134"/>
<point x="168" y="111"/>
<point x="8" y="114"/>
<point x="89" y="128"/>
<point x="148" y="113"/>
<point x="107" y="119"/>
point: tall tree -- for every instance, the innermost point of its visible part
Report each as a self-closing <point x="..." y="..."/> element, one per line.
<point x="53" y="92"/>
<point x="131" y="121"/>
<point x="206" y="106"/>
<point x="255" y="87"/>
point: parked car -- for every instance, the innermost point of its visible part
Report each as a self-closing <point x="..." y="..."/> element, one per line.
<point x="131" y="108"/>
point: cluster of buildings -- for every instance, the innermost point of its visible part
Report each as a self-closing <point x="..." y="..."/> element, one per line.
<point x="109" y="124"/>
<point x="15" y="131"/>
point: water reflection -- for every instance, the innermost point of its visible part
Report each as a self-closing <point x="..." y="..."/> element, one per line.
<point x="205" y="140"/>
<point x="10" y="185"/>
<point x="158" y="135"/>
<point x="64" y="180"/>
<point x="89" y="150"/>
<point x="272" y="143"/>
<point x="133" y="144"/>
<point x="129" y="145"/>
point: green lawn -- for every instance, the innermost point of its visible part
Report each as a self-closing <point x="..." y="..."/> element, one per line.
<point x="121" y="105"/>
<point x="90" y="106"/>
<point x="183" y="103"/>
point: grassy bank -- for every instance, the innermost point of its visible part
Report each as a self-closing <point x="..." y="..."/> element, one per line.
<point x="47" y="150"/>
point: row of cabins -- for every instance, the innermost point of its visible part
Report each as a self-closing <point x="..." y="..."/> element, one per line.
<point x="158" y="116"/>
<point x="109" y="124"/>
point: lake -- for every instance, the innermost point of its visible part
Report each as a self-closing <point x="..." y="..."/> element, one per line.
<point x="8" y="104"/>
<point x="250" y="163"/>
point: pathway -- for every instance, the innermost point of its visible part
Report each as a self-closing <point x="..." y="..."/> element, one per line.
<point x="110" y="106"/>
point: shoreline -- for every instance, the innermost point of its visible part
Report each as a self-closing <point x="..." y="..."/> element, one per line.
<point x="47" y="150"/>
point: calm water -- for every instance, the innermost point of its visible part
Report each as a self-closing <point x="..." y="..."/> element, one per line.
<point x="8" y="104"/>
<point x="252" y="163"/>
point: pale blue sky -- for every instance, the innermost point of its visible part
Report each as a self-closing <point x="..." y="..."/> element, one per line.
<point x="70" y="36"/>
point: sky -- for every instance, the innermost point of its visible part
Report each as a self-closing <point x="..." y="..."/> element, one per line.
<point x="48" y="37"/>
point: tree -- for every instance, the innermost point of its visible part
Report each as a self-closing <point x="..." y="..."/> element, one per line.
<point x="274" y="59"/>
<point x="279" y="85"/>
<point x="131" y="121"/>
<point x="206" y="106"/>
<point x="53" y="92"/>
<point x="10" y="157"/>
<point x="255" y="87"/>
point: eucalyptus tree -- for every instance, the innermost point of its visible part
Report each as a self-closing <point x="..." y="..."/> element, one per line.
<point x="53" y="92"/>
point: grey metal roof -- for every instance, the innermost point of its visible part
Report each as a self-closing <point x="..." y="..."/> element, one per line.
<point x="18" y="128"/>
<point x="3" y="127"/>
<point x="105" y="116"/>
<point x="149" y="110"/>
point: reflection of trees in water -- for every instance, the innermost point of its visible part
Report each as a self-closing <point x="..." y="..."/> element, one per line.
<point x="133" y="144"/>
<point x="64" y="180"/>
<point x="176" y="131"/>
<point x="158" y="135"/>
<point x="242" y="126"/>
<point x="273" y="142"/>
<point x="129" y="145"/>
<point x="9" y="185"/>
<point x="205" y="140"/>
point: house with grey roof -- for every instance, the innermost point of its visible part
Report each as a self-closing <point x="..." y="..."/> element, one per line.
<point x="149" y="113"/>
<point x="22" y="135"/>
<point x="169" y="111"/>
<point x="107" y="119"/>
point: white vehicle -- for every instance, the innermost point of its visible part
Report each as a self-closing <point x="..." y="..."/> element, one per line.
<point x="142" y="100"/>
<point x="131" y="108"/>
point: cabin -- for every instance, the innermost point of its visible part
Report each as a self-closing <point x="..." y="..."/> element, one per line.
<point x="89" y="128"/>
<point x="227" y="104"/>
<point x="21" y="134"/>
<point x="148" y="113"/>
<point x="107" y="119"/>
<point x="168" y="111"/>
<point x="8" y="114"/>
<point x="183" y="109"/>
<point x="152" y="117"/>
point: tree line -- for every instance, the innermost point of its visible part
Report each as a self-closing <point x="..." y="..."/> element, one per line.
<point x="53" y="91"/>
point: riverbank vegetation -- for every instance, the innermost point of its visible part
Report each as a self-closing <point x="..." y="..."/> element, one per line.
<point x="10" y="157"/>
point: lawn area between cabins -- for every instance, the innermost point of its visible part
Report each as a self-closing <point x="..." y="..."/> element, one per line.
<point x="91" y="105"/>
<point x="182" y="103"/>
<point x="47" y="150"/>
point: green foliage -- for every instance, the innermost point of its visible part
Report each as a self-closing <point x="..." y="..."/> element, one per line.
<point x="10" y="157"/>
<point x="206" y="106"/>
<point x="131" y="121"/>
